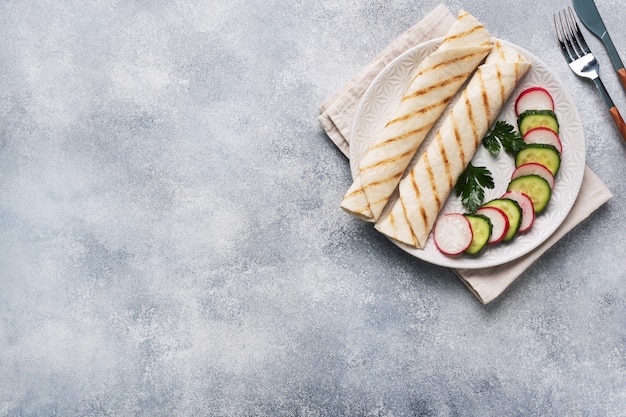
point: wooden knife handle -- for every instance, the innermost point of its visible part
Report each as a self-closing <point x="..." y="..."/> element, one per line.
<point x="622" y="76"/>
<point x="619" y="122"/>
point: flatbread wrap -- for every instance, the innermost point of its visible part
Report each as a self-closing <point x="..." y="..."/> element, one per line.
<point x="424" y="189"/>
<point x="436" y="81"/>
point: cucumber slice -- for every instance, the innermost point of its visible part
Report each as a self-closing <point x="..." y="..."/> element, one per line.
<point x="534" y="187"/>
<point x="531" y="119"/>
<point x="481" y="231"/>
<point x="546" y="155"/>
<point x="512" y="210"/>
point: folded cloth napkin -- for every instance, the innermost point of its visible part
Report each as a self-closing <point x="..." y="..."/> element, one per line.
<point x="337" y="115"/>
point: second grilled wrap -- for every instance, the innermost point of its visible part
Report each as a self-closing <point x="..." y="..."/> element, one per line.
<point x="426" y="187"/>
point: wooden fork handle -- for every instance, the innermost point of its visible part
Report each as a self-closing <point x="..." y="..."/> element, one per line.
<point x="622" y="76"/>
<point x="619" y="122"/>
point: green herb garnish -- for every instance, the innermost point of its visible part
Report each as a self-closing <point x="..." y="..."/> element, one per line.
<point x="503" y="134"/>
<point x="470" y="186"/>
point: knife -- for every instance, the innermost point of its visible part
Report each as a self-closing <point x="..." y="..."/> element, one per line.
<point x="589" y="15"/>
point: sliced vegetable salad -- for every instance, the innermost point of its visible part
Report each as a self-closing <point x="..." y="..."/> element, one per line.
<point x="536" y="150"/>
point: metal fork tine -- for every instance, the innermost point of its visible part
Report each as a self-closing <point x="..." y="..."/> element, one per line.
<point x="579" y="34"/>
<point x="558" y="31"/>
<point x="566" y="45"/>
<point x="571" y="38"/>
<point x="560" y="38"/>
<point x="570" y="22"/>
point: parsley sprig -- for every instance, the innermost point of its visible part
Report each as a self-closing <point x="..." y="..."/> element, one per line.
<point x="503" y="135"/>
<point x="470" y="186"/>
<point x="473" y="181"/>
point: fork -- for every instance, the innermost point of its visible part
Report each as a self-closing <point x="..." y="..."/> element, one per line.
<point x="581" y="61"/>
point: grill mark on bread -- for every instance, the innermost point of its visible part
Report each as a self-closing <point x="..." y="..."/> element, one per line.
<point x="392" y="221"/>
<point x="517" y="66"/>
<point x="457" y="138"/>
<point x="470" y="113"/>
<point x="485" y="97"/>
<point x="388" y="161"/>
<point x="420" y="111"/>
<point x="446" y="161"/>
<point x="501" y="84"/>
<point x="448" y="63"/>
<point x="463" y="34"/>
<point x="517" y="72"/>
<point x="430" y="88"/>
<point x="363" y="212"/>
<point x="394" y="177"/>
<point x="406" y="218"/>
<point x="353" y="193"/>
<point x="398" y="138"/>
<point x="500" y="51"/>
<point x="431" y="178"/>
<point x="422" y="212"/>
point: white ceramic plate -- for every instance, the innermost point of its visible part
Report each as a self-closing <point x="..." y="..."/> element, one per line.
<point x="386" y="90"/>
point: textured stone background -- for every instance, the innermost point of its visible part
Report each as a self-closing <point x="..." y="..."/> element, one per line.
<point x="171" y="243"/>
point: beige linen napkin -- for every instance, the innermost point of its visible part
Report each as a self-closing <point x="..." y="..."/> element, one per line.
<point x="337" y="115"/>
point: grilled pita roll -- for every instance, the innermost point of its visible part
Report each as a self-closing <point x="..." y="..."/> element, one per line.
<point x="355" y="202"/>
<point x="435" y="82"/>
<point x="425" y="188"/>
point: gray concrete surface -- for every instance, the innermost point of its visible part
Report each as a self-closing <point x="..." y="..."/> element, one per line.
<point x="171" y="242"/>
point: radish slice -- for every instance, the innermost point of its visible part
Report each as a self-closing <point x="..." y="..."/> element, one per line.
<point x="534" y="98"/>
<point x="534" y="168"/>
<point x="453" y="234"/>
<point x="499" y="221"/>
<point x="543" y="135"/>
<point x="526" y="204"/>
